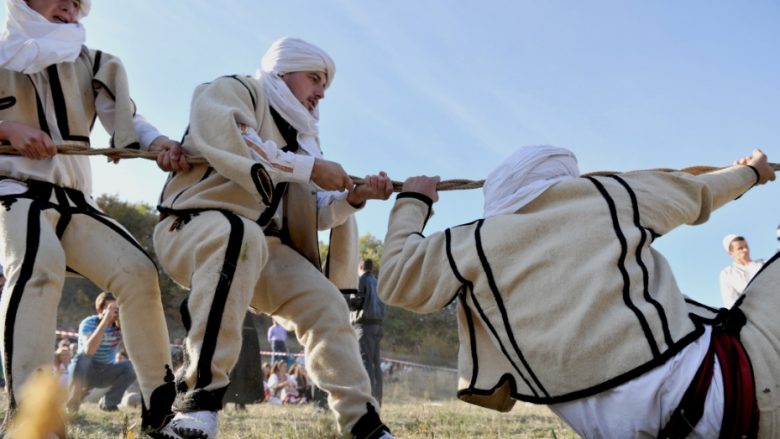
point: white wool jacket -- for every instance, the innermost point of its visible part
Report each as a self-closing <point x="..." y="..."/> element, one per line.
<point x="73" y="88"/>
<point x="232" y="127"/>
<point x="566" y="297"/>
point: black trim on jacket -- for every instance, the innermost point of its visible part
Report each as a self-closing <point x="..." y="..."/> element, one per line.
<point x="502" y="308"/>
<point x="622" y="267"/>
<point x="645" y="275"/>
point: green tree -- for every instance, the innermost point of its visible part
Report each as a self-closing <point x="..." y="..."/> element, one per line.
<point x="369" y="247"/>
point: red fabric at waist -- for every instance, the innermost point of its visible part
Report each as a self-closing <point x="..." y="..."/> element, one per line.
<point x="740" y="414"/>
<point x="740" y="411"/>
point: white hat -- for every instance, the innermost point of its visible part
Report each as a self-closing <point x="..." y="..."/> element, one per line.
<point x="727" y="241"/>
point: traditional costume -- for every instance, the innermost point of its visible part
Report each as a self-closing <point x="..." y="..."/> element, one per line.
<point x="241" y="231"/>
<point x="49" y="223"/>
<point x="562" y="300"/>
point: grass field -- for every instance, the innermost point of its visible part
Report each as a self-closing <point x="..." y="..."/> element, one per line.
<point x="417" y="404"/>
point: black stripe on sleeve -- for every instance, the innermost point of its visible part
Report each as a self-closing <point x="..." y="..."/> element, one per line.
<point x="420" y="197"/>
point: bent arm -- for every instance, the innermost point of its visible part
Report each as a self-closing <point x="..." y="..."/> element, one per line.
<point x="416" y="274"/>
<point x="93" y="340"/>
<point x="222" y="113"/>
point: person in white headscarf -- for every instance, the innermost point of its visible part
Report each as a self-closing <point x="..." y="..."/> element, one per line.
<point x="735" y="277"/>
<point x="562" y="299"/>
<point x="241" y="231"/>
<point x="524" y="175"/>
<point x="54" y="88"/>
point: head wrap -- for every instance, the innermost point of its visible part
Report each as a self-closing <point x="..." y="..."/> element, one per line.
<point x="29" y="42"/>
<point x="727" y="241"/>
<point x="295" y="55"/>
<point x="524" y="175"/>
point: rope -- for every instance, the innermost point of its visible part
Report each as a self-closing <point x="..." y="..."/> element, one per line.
<point x="78" y="148"/>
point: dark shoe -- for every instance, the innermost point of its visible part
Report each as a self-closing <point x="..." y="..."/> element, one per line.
<point x="109" y="408"/>
<point x="369" y="426"/>
<point x="158" y="415"/>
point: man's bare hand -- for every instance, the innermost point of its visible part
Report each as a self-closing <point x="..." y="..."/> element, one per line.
<point x="29" y="141"/>
<point x="374" y="187"/>
<point x="423" y="185"/>
<point x="759" y="161"/>
<point x="170" y="155"/>
<point x="330" y="176"/>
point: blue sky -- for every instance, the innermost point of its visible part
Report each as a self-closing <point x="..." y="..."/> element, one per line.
<point x="452" y="87"/>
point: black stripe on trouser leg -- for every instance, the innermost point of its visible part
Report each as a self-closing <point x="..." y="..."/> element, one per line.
<point x="186" y="319"/>
<point x="25" y="274"/>
<point x="65" y="215"/>
<point x="214" y="321"/>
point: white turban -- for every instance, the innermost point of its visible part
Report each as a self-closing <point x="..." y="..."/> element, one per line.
<point x="727" y="241"/>
<point x="524" y="175"/>
<point x="295" y="55"/>
<point x="29" y="42"/>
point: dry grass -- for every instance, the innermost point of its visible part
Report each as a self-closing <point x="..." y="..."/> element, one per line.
<point x="417" y="405"/>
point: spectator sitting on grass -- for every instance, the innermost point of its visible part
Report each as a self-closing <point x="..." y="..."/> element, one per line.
<point x="298" y="372"/>
<point x="282" y="386"/>
<point x="61" y="362"/>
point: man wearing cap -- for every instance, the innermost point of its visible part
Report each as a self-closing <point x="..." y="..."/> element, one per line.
<point x="53" y="89"/>
<point x="735" y="277"/>
<point x="562" y="300"/>
<point x="241" y="230"/>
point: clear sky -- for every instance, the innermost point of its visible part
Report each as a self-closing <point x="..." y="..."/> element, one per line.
<point x="450" y="87"/>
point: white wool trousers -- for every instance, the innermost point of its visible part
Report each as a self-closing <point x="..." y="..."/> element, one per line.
<point x="229" y="265"/>
<point x="43" y="234"/>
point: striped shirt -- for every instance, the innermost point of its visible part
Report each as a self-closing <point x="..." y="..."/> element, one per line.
<point x="109" y="346"/>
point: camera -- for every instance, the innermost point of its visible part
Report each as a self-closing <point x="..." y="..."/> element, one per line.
<point x="354" y="300"/>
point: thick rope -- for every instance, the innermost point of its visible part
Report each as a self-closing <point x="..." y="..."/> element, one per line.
<point x="76" y="148"/>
